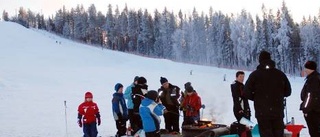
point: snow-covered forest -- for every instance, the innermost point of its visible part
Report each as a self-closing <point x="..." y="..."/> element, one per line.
<point x="214" y="39"/>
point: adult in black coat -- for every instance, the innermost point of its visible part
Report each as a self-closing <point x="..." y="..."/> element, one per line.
<point x="310" y="96"/>
<point x="138" y="93"/>
<point x="169" y="95"/>
<point x="267" y="87"/>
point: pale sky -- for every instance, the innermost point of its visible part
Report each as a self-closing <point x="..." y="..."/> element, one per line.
<point x="297" y="8"/>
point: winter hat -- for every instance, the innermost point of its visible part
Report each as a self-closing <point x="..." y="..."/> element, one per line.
<point x="187" y="85"/>
<point x="118" y="86"/>
<point x="142" y="80"/>
<point x="311" y="65"/>
<point x="152" y="94"/>
<point x="135" y="78"/>
<point x="189" y="89"/>
<point x="264" y="55"/>
<point x="88" y="95"/>
<point x="163" y="80"/>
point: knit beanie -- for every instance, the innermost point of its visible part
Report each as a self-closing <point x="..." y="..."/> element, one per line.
<point x="88" y="95"/>
<point x="189" y="89"/>
<point x="142" y="80"/>
<point x="311" y="65"/>
<point x="163" y="80"/>
<point x="187" y="85"/>
<point x="264" y="55"/>
<point x="135" y="78"/>
<point x="118" y="86"/>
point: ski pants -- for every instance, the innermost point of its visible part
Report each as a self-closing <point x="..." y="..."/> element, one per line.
<point x="130" y="115"/>
<point x="313" y="122"/>
<point x="171" y="120"/>
<point x="271" y="127"/>
<point x="136" y="123"/>
<point x="122" y="128"/>
<point x="90" y="130"/>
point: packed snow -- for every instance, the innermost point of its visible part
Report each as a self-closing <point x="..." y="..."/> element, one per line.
<point x="40" y="70"/>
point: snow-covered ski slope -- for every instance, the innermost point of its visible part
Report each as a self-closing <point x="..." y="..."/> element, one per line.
<point x="37" y="74"/>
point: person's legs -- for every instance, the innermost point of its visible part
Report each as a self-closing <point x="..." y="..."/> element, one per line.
<point x="278" y="127"/>
<point x="175" y="120"/>
<point x="313" y="122"/>
<point x="167" y="121"/>
<point x="130" y="115"/>
<point x="265" y="128"/>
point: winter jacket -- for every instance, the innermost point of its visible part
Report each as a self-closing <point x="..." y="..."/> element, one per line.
<point x="127" y="95"/>
<point x="310" y="94"/>
<point x="138" y="93"/>
<point x="169" y="97"/>
<point x="88" y="112"/>
<point x="240" y="103"/>
<point x="150" y="112"/>
<point x="267" y="87"/>
<point x="192" y="104"/>
<point x="119" y="107"/>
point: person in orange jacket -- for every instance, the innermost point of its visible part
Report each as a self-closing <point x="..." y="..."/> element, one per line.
<point x="89" y="116"/>
<point x="192" y="105"/>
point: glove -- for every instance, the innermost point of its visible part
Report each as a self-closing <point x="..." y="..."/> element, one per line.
<point x="203" y="106"/>
<point x="99" y="121"/>
<point x="98" y="118"/>
<point x="79" y="122"/>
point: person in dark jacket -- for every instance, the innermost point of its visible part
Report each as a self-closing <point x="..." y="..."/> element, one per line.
<point x="150" y="112"/>
<point x="138" y="93"/>
<point x="127" y="95"/>
<point x="169" y="95"/>
<point x="241" y="106"/>
<point x="267" y="87"/>
<point x="119" y="109"/>
<point x="310" y="96"/>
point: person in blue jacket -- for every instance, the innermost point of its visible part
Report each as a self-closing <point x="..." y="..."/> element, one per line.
<point x="128" y="97"/>
<point x="150" y="111"/>
<point x="119" y="109"/>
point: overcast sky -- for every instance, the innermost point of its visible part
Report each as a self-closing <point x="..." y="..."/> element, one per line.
<point x="298" y="8"/>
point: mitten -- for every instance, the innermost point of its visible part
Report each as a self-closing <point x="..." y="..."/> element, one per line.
<point x="98" y="118"/>
<point x="79" y="122"/>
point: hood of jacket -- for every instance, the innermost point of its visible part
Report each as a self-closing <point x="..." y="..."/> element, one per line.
<point x="266" y="65"/>
<point x="120" y="95"/>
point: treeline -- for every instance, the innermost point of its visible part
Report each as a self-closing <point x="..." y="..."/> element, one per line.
<point x="216" y="39"/>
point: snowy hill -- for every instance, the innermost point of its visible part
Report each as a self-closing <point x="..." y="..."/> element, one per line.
<point x="39" y="71"/>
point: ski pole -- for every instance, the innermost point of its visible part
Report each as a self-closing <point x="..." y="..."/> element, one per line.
<point x="65" y="113"/>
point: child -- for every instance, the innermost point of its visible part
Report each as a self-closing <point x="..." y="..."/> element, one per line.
<point x="150" y="111"/>
<point x="88" y="115"/>
<point x="120" y="111"/>
<point x="192" y="104"/>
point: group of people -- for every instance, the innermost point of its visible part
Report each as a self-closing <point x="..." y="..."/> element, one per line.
<point x="144" y="108"/>
<point x="267" y="87"/>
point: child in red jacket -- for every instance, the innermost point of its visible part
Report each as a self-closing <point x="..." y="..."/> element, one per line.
<point x="88" y="116"/>
<point x="192" y="105"/>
